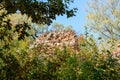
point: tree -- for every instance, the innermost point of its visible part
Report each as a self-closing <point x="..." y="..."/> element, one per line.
<point x="15" y="31"/>
<point x="104" y="17"/>
<point x="41" y="11"/>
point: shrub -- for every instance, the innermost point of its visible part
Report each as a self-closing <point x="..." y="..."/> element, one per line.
<point x="20" y="62"/>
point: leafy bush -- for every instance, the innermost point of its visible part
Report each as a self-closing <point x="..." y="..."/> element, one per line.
<point x="20" y="62"/>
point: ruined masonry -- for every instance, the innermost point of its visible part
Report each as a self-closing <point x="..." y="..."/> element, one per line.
<point x="60" y="39"/>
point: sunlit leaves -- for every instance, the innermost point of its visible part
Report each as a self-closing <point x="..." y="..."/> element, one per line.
<point x="103" y="17"/>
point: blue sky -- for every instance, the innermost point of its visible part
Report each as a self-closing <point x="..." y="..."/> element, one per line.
<point x="77" y="22"/>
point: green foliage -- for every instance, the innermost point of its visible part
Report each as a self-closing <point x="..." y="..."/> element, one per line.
<point x="100" y="69"/>
<point x="87" y="64"/>
<point x="103" y="17"/>
<point x="42" y="12"/>
<point x="19" y="62"/>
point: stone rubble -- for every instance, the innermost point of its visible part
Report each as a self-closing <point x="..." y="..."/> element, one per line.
<point x="58" y="39"/>
<point x="62" y="39"/>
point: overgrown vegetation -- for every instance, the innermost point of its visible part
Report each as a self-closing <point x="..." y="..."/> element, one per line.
<point x="19" y="62"/>
<point x="87" y="64"/>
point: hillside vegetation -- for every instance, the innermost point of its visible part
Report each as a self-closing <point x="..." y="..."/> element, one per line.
<point x="29" y="50"/>
<point x="21" y="62"/>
